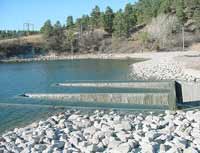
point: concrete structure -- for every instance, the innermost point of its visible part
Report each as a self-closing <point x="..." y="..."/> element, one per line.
<point x="119" y="84"/>
<point x="188" y="91"/>
<point x="157" y="93"/>
<point x="125" y="98"/>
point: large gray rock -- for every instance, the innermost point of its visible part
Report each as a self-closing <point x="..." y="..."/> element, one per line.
<point x="124" y="125"/>
<point x="91" y="148"/>
<point x="114" y="144"/>
<point x="122" y="148"/>
<point x="180" y="142"/>
<point x="50" y="133"/>
<point x="190" y="150"/>
<point x="197" y="116"/>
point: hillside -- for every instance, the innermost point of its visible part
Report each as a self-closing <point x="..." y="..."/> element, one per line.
<point x="147" y="25"/>
<point x="22" y="46"/>
<point x="33" y="39"/>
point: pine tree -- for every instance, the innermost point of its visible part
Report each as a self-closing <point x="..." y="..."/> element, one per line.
<point x="96" y="17"/>
<point x="108" y="20"/>
<point x="47" y="29"/>
<point x="180" y="11"/>
<point x="56" y="41"/>
<point x="119" y="26"/>
<point x="130" y="18"/>
<point x="196" y="17"/>
<point x="70" y="21"/>
<point x="165" y="6"/>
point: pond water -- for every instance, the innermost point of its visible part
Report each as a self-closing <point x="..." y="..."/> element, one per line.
<point x="41" y="77"/>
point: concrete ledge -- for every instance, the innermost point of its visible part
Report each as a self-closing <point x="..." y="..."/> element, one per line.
<point x="126" y="98"/>
<point x="189" y="91"/>
<point x="118" y="84"/>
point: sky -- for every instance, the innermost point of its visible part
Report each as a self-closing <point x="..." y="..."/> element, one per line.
<point x="14" y="13"/>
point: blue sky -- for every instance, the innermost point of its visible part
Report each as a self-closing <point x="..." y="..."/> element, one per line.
<point x="13" y="13"/>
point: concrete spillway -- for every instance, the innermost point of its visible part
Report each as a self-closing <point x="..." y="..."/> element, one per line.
<point x="156" y="93"/>
<point x="126" y="98"/>
<point x="118" y="84"/>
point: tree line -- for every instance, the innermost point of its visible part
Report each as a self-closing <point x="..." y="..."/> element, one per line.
<point x="122" y="22"/>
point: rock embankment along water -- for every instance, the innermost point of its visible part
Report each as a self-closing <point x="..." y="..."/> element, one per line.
<point x="108" y="131"/>
<point x="164" y="66"/>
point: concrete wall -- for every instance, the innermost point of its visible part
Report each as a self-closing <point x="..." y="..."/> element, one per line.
<point x="126" y="98"/>
<point x="189" y="91"/>
<point x="118" y="84"/>
<point x="163" y="97"/>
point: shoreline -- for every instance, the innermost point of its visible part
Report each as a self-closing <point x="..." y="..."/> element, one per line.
<point x="176" y="65"/>
<point x="108" y="131"/>
<point x="145" y="55"/>
<point x="72" y="57"/>
<point x="169" y="66"/>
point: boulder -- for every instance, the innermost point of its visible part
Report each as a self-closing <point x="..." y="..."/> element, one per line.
<point x="190" y="150"/>
<point x="114" y="144"/>
<point x="124" y="125"/>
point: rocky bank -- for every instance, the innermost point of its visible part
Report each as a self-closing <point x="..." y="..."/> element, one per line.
<point x="164" y="66"/>
<point x="108" y="131"/>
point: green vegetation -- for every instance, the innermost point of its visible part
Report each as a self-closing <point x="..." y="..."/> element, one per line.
<point x="119" y="26"/>
<point x="121" y="23"/>
<point x="95" y="18"/>
<point x="180" y="11"/>
<point x="70" y="22"/>
<point x="108" y="20"/>
<point x="151" y="22"/>
<point x="47" y="29"/>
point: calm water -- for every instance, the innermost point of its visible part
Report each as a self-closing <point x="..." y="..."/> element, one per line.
<point x="41" y="77"/>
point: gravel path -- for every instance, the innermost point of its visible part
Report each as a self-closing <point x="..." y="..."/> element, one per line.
<point x="109" y="132"/>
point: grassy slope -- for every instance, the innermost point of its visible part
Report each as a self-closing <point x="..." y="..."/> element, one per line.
<point x="33" y="39"/>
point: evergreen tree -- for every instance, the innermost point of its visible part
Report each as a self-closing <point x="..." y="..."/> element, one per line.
<point x="130" y="18"/>
<point x="57" y="25"/>
<point x="196" y="17"/>
<point x="119" y="26"/>
<point x="47" y="29"/>
<point x="180" y="11"/>
<point x="56" y="41"/>
<point x="108" y="20"/>
<point x="83" y="22"/>
<point x="95" y="17"/>
<point x="70" y="21"/>
<point x="165" y="6"/>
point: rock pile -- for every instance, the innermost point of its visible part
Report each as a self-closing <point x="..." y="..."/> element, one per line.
<point x="109" y="132"/>
<point x="163" y="68"/>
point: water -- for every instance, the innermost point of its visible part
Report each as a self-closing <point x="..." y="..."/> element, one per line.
<point x="40" y="77"/>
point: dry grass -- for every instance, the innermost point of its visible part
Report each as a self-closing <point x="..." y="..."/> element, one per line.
<point x="33" y="39"/>
<point x="195" y="47"/>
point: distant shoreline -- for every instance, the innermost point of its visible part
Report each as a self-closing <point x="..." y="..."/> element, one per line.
<point x="168" y="65"/>
<point x="73" y="57"/>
